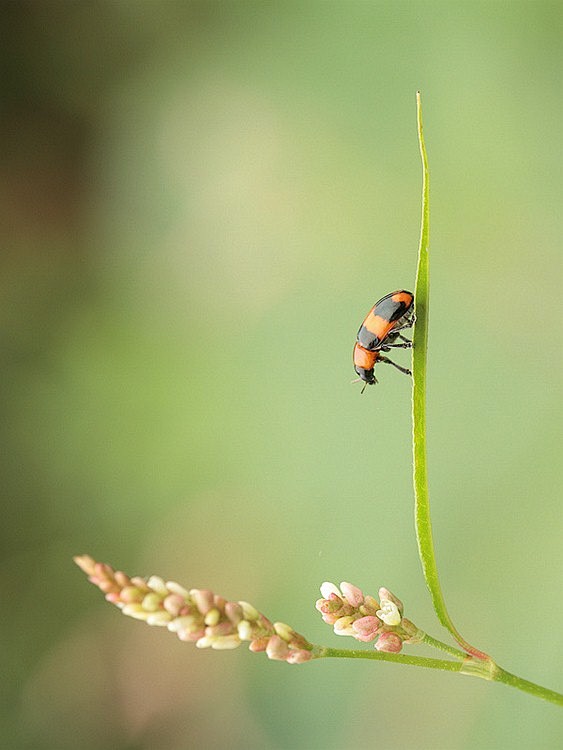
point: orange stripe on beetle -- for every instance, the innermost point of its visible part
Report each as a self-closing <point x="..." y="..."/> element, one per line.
<point x="404" y="297"/>
<point x="377" y="325"/>
<point x="363" y="358"/>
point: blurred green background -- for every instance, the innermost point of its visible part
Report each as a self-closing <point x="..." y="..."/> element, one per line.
<point x="201" y="201"/>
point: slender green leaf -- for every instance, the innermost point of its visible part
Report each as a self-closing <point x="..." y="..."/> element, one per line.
<point x="420" y="347"/>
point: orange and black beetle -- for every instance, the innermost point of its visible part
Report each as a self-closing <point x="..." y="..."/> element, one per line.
<point x="379" y="333"/>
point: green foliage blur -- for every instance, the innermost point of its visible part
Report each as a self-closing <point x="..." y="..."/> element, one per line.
<point x="201" y="201"/>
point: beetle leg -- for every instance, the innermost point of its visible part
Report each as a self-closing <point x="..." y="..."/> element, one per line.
<point x="390" y="362"/>
<point x="406" y="345"/>
<point x="408" y="324"/>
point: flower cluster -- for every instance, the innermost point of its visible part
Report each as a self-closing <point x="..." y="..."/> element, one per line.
<point x="351" y="612"/>
<point x="196" y="615"/>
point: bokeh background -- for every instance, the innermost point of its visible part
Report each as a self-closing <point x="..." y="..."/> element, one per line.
<point x="200" y="202"/>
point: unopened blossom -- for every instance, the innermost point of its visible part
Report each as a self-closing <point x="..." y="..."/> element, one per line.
<point x="196" y="615"/>
<point x="390" y="642"/>
<point x="366" y="628"/>
<point x="353" y="613"/>
<point x="346" y="601"/>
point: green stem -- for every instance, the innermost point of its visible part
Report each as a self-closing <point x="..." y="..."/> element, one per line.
<point x="435" y="643"/>
<point x="420" y="346"/>
<point x="416" y="661"/>
<point x="526" y="686"/>
<point x="471" y="666"/>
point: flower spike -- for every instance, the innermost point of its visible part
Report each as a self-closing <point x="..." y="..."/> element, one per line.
<point x="197" y="615"/>
<point x="351" y="612"/>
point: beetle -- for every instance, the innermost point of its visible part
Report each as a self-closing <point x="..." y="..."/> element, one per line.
<point x="381" y="332"/>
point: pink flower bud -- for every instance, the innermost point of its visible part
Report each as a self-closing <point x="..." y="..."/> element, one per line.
<point x="85" y="563"/>
<point x="225" y="643"/>
<point x="121" y="579"/>
<point x="203" y="599"/>
<point x="366" y="627"/>
<point x="328" y="588"/>
<point x="184" y="622"/>
<point x="131" y="594"/>
<point x="159" y="618"/>
<point x="223" y="628"/>
<point x="101" y="570"/>
<point x="212" y="617"/>
<point x="249" y="612"/>
<point x="174" y="604"/>
<point x="245" y="631"/>
<point x="103" y="585"/>
<point x="354" y="596"/>
<point x="233" y="610"/>
<point x="299" y="642"/>
<point x="191" y="635"/>
<point x="299" y="656"/>
<point x="151" y="602"/>
<point x="343" y="626"/>
<point x="329" y="606"/>
<point x="219" y="644"/>
<point x="140" y="583"/>
<point x="157" y="584"/>
<point x="277" y="648"/>
<point x="175" y="588"/>
<point x="284" y="631"/>
<point x="136" y="611"/>
<point x="260" y="644"/>
<point x="264" y="623"/>
<point x="389" y="642"/>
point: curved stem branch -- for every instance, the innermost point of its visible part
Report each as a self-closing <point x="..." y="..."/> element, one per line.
<point x="435" y="643"/>
<point x="420" y="345"/>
